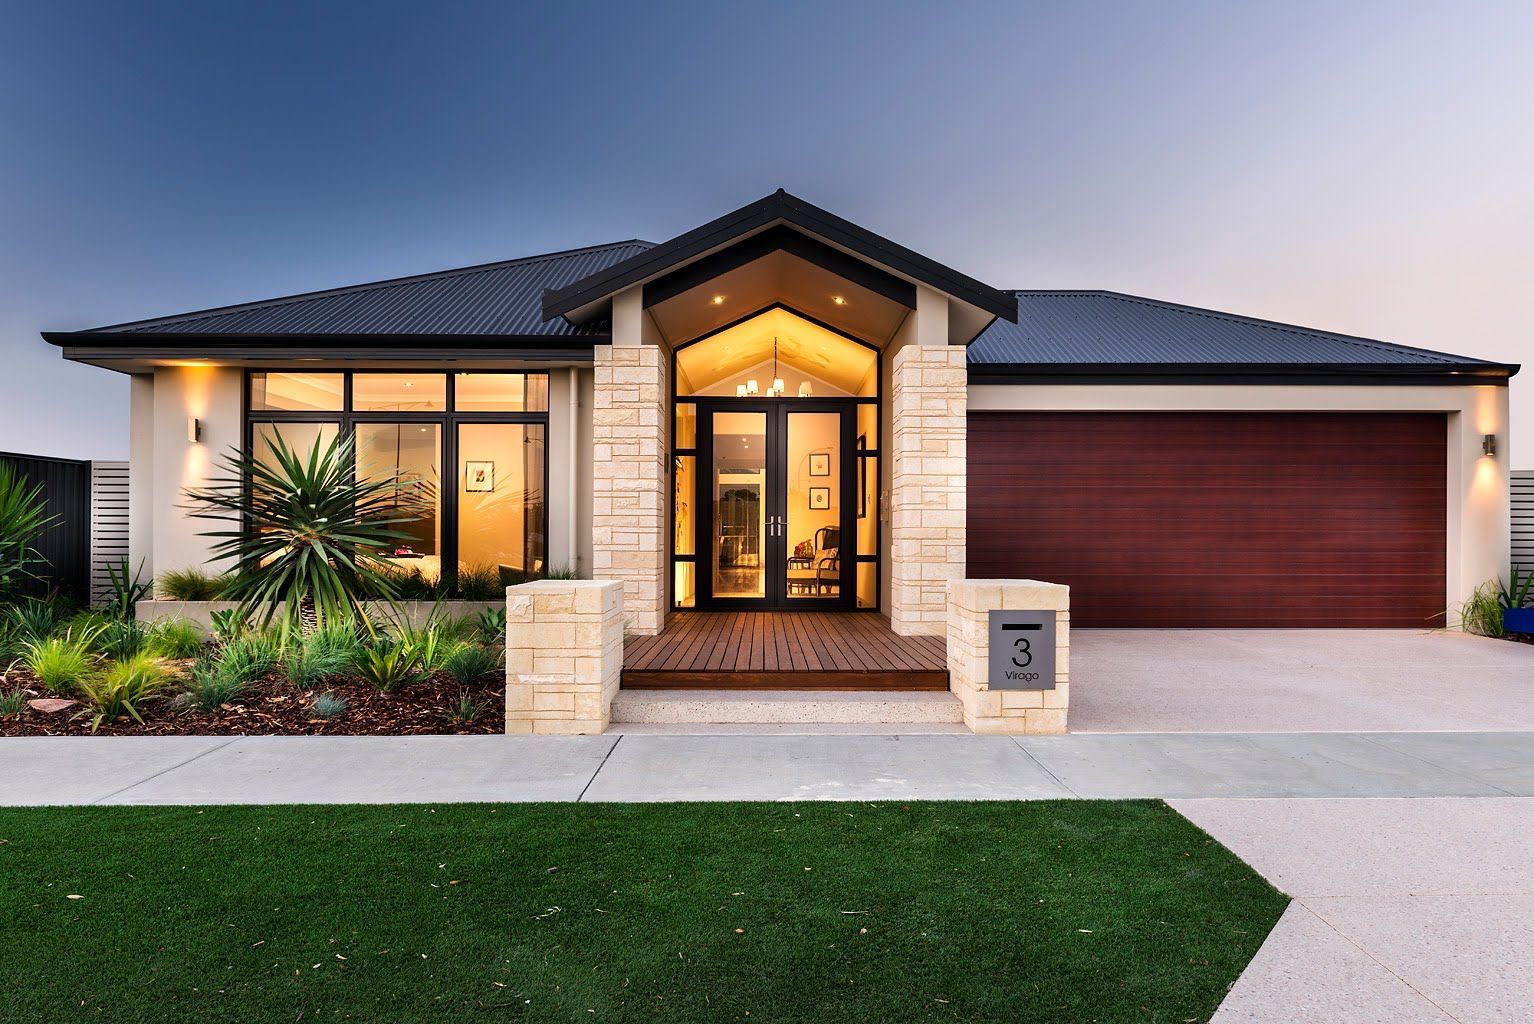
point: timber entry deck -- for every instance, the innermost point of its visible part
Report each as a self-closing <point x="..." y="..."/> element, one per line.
<point x="783" y="651"/>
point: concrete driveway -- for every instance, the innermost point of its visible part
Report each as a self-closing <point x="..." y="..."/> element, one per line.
<point x="1298" y="680"/>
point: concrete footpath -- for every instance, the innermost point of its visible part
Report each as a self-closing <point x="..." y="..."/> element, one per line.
<point x="1405" y="911"/>
<point x="285" y="770"/>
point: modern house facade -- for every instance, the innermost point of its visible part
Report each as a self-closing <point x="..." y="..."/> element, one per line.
<point x="781" y="410"/>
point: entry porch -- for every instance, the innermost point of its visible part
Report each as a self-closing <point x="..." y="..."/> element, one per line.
<point x="783" y="650"/>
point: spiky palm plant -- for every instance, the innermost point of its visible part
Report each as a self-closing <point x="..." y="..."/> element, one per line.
<point x="306" y="530"/>
<point x="23" y="518"/>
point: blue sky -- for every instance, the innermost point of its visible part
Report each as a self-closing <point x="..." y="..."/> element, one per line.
<point x="1361" y="167"/>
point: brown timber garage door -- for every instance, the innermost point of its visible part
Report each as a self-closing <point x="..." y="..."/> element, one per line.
<point x="1215" y="519"/>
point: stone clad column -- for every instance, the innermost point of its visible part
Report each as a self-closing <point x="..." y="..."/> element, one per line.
<point x="629" y="479"/>
<point x="928" y="406"/>
<point x="1031" y="711"/>
<point x="564" y="655"/>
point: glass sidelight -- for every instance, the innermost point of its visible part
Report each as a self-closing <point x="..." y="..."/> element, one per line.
<point x="738" y="483"/>
<point x="813" y="505"/>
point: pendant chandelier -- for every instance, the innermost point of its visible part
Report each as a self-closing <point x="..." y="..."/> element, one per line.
<point x="778" y="388"/>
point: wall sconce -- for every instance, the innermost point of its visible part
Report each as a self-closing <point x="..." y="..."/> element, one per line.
<point x="193" y="429"/>
<point x="1489" y="444"/>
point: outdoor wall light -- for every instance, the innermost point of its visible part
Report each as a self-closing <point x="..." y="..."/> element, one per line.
<point x="1489" y="444"/>
<point x="193" y="429"/>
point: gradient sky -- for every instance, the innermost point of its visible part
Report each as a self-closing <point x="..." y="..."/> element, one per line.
<point x="1366" y="168"/>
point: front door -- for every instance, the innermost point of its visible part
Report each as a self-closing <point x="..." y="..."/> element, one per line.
<point x="774" y="508"/>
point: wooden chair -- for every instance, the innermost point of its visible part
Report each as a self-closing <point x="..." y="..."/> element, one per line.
<point x="821" y="572"/>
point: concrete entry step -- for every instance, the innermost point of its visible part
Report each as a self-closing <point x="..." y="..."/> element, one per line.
<point x="786" y="707"/>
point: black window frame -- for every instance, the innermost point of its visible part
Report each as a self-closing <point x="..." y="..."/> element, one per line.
<point x="448" y="420"/>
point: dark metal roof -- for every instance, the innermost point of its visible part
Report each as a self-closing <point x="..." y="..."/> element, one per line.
<point x="495" y="299"/>
<point x="780" y="207"/>
<point x="1087" y="332"/>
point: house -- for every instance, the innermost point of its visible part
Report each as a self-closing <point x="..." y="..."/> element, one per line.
<point x="781" y="409"/>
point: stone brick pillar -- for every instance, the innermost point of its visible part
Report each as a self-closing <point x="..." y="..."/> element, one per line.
<point x="970" y="603"/>
<point x="928" y="405"/>
<point x="564" y="655"/>
<point x="629" y="479"/>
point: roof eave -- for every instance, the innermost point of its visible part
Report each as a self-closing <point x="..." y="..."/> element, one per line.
<point x="1463" y="375"/>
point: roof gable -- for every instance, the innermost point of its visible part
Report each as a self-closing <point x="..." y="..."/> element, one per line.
<point x="778" y="208"/>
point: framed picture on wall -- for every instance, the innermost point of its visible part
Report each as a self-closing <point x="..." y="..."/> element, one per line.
<point x="820" y="464"/>
<point x="478" y="476"/>
<point x="820" y="498"/>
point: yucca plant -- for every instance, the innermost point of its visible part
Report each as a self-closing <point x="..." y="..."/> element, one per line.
<point x="23" y="518"/>
<point x="123" y="687"/>
<point x="470" y="663"/>
<point x="306" y="529"/>
<point x="388" y="663"/>
<point x="61" y="663"/>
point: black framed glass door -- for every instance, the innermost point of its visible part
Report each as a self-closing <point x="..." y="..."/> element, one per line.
<point x="775" y="487"/>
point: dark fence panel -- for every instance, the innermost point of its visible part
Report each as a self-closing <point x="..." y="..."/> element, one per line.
<point x="67" y="544"/>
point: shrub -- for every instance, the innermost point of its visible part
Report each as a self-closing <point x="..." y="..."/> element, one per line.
<point x="1482" y="611"/>
<point x="60" y="663"/>
<point x="469" y="663"/>
<point x="389" y="663"/>
<point x="328" y="705"/>
<point x="34" y="618"/>
<point x="13" y="703"/>
<point x="122" y="638"/>
<point x="212" y="684"/>
<point x="123" y="687"/>
<point x="23" y="518"/>
<point x="329" y="651"/>
<point x="128" y="589"/>
<point x="190" y="585"/>
<point x="414" y="585"/>
<point x="491" y="625"/>
<point x="230" y="624"/>
<point x="480" y="583"/>
<point x="465" y="711"/>
<point x="1519" y="593"/>
<point x="249" y="657"/>
<point x="175" y="638"/>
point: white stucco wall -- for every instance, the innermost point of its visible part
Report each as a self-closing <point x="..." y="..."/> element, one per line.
<point x="212" y="394"/>
<point x="1478" y="533"/>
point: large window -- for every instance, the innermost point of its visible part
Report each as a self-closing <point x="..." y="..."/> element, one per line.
<point x="474" y="442"/>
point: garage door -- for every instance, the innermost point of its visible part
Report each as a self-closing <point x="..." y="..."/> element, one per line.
<point x="1215" y="519"/>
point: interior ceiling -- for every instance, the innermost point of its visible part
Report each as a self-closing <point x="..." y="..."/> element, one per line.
<point x="779" y="277"/>
<point x="802" y="345"/>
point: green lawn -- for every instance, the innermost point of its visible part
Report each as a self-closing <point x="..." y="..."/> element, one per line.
<point x="1057" y="911"/>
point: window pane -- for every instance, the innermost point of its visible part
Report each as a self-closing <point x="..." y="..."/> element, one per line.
<point x="399" y="392"/>
<point x="685" y="591"/>
<point x="868" y="584"/>
<point x="300" y="437"/>
<point x="276" y="392"/>
<point x="814" y="504"/>
<point x="868" y="426"/>
<point x="685" y="536"/>
<point x="412" y="453"/>
<point x="501" y="392"/>
<point x="500" y="500"/>
<point x="868" y="506"/>
<point x="686" y="426"/>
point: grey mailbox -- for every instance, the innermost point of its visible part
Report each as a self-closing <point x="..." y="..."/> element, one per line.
<point x="1022" y="650"/>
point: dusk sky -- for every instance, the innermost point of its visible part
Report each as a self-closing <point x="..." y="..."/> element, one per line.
<point x="1365" y="168"/>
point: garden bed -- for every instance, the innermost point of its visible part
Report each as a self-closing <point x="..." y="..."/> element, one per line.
<point x="275" y="707"/>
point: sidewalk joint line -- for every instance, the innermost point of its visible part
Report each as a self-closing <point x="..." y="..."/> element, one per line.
<point x="156" y="775"/>
<point x="594" y="774"/>
<point x="1018" y="743"/>
<point x="1468" y="777"/>
<point x="1312" y="911"/>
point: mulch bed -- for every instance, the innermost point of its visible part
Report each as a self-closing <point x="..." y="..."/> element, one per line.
<point x="274" y="707"/>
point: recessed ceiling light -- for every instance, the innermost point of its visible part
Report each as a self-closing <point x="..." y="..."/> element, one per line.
<point x="838" y="300"/>
<point x="717" y="300"/>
